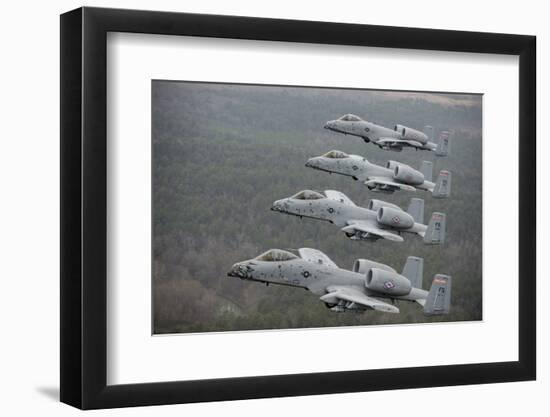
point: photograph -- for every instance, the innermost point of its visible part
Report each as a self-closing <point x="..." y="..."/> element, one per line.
<point x="281" y="207"/>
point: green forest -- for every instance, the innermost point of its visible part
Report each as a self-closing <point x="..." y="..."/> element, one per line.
<point x="222" y="153"/>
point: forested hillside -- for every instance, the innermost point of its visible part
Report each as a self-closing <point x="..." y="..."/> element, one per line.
<point x="223" y="153"/>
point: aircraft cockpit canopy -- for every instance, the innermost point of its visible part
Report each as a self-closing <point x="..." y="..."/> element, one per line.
<point x="276" y="255"/>
<point x="308" y="195"/>
<point x="336" y="155"/>
<point x="350" y="118"/>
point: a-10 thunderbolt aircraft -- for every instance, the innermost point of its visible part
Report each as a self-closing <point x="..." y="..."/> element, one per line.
<point x="390" y="139"/>
<point x="370" y="285"/>
<point x="394" y="176"/>
<point x="381" y="220"/>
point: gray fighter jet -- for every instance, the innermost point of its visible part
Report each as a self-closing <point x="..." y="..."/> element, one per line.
<point x="380" y="220"/>
<point x="390" y="139"/>
<point x="370" y="285"/>
<point x="395" y="176"/>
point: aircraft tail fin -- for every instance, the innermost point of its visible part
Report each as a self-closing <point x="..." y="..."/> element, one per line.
<point x="435" y="233"/>
<point x="429" y="131"/>
<point x="426" y="169"/>
<point x="444" y="144"/>
<point x="416" y="209"/>
<point x="414" y="271"/>
<point x="442" y="187"/>
<point x="439" y="296"/>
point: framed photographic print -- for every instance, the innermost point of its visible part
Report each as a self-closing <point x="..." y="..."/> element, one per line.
<point x="354" y="202"/>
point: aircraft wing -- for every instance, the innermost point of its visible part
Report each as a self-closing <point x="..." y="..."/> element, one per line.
<point x="394" y="141"/>
<point x="370" y="228"/>
<point x="354" y="295"/>
<point x="385" y="181"/>
<point x="338" y="196"/>
<point x="316" y="256"/>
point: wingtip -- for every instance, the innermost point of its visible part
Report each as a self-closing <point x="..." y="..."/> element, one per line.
<point x="394" y="238"/>
<point x="387" y="308"/>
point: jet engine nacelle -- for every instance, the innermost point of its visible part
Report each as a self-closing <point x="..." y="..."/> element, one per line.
<point x="408" y="175"/>
<point x="395" y="218"/>
<point x="408" y="133"/>
<point x="387" y="282"/>
<point x="375" y="205"/>
<point x="392" y="164"/>
<point x="362" y="266"/>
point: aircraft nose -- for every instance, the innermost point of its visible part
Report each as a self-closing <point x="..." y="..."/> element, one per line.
<point x="238" y="270"/>
<point x="329" y="124"/>
<point x="277" y="205"/>
<point x="312" y="162"/>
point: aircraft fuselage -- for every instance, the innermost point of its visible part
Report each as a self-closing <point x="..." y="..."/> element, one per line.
<point x="337" y="212"/>
<point x="313" y="277"/>
<point x="361" y="169"/>
<point x="385" y="138"/>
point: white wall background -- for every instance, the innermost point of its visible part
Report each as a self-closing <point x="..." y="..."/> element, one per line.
<point x="29" y="211"/>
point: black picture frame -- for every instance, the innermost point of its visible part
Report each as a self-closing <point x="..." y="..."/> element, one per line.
<point x="84" y="207"/>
